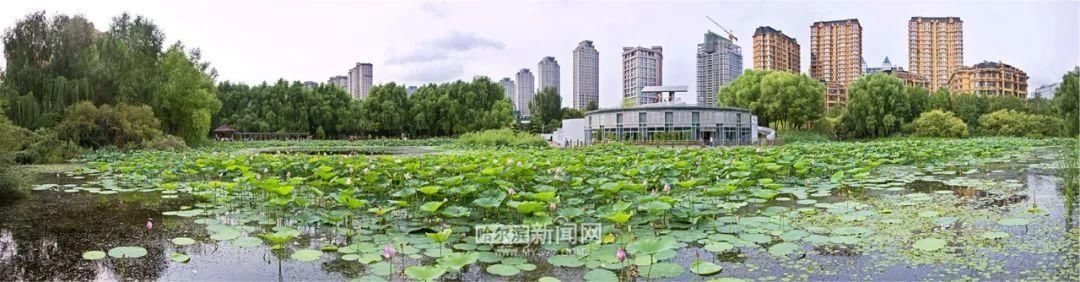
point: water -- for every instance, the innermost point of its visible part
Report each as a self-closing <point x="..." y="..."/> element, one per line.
<point x="43" y="238"/>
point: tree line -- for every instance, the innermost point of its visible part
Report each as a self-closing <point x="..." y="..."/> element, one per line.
<point x="55" y="63"/>
<point x="327" y="111"/>
<point x="881" y="105"/>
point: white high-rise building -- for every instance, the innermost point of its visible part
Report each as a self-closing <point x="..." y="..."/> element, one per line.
<point x="360" y="79"/>
<point x="548" y="69"/>
<point x="719" y="61"/>
<point x="525" y="91"/>
<point x="641" y="67"/>
<point x="510" y="90"/>
<point x="341" y="81"/>
<point x="586" y="75"/>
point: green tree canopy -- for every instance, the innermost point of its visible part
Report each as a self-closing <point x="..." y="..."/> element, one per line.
<point x="780" y="99"/>
<point x="1067" y="99"/>
<point x="877" y="107"/>
<point x="546" y="111"/>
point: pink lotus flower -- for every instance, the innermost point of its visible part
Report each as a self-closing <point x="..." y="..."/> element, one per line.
<point x="388" y="251"/>
<point x="667" y="187"/>
<point x="653" y="193"/>
<point x="551" y="206"/>
<point x="511" y="191"/>
<point x="149" y="223"/>
<point x="620" y="255"/>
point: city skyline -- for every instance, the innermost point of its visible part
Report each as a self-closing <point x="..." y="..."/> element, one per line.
<point x="416" y="43"/>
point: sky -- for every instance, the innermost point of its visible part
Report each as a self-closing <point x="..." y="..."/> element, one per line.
<point x="419" y="42"/>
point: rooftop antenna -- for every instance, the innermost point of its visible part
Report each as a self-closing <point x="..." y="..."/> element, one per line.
<point x="729" y="35"/>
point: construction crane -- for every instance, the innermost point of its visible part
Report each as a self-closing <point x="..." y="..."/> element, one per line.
<point x="729" y="35"/>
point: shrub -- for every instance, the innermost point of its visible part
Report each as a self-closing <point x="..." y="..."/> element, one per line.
<point x="1013" y="123"/>
<point x="938" y="123"/>
<point x="796" y="136"/>
<point x="164" y="143"/>
<point x="13" y="184"/>
<point x="95" y="127"/>
<point x="502" y="137"/>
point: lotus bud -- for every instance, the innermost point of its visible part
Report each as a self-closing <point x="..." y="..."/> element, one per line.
<point x="149" y="223"/>
<point x="348" y="181"/>
<point x="366" y="170"/>
<point x="653" y="193"/>
<point x="388" y="251"/>
<point x="288" y="174"/>
<point x="667" y="187"/>
<point x="620" y="254"/>
<point x="518" y="163"/>
<point x="551" y="206"/>
<point x="511" y="191"/>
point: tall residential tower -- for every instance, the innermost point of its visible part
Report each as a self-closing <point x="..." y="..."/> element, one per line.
<point x="548" y="70"/>
<point x="773" y="50"/>
<point x="525" y="91"/>
<point x="360" y="79"/>
<point x="936" y="48"/>
<point x="586" y="76"/>
<point x="510" y="91"/>
<point x="836" y="57"/>
<point x="641" y="67"/>
<point x="719" y="61"/>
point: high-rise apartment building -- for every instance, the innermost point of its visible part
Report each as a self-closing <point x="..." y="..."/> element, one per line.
<point x="836" y="57"/>
<point x="719" y="61"/>
<point x="525" y="91"/>
<point x="935" y="48"/>
<point x="360" y="79"/>
<point x="990" y="78"/>
<point x="548" y="69"/>
<point x="586" y="75"/>
<point x="510" y="91"/>
<point x="341" y="81"/>
<point x="641" y="67"/>
<point x="773" y="50"/>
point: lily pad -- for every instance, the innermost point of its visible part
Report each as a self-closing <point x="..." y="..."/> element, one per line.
<point x="127" y="252"/>
<point x="1014" y="221"/>
<point x="929" y="244"/>
<point x="424" y="273"/>
<point x="178" y="257"/>
<point x="93" y="255"/>
<point x="246" y="242"/>
<point x="719" y="247"/>
<point x="600" y="275"/>
<point x="565" y="261"/>
<point x="183" y="241"/>
<point x="307" y="255"/>
<point x="783" y="249"/>
<point x="662" y="270"/>
<point x="503" y="270"/>
<point x="701" y="267"/>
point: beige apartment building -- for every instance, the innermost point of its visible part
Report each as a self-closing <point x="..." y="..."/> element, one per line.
<point x="641" y="67"/>
<point x="773" y="50"/>
<point x="935" y="48"/>
<point x="990" y="78"/>
<point x="836" y="57"/>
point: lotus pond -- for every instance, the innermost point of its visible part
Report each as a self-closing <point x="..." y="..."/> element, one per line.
<point x="992" y="209"/>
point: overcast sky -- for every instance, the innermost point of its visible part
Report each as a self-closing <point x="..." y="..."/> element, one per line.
<point x="417" y="42"/>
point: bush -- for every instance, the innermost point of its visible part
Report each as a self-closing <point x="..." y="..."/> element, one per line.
<point x="13" y="184"/>
<point x="796" y="136"/>
<point x="1013" y="123"/>
<point x="164" y="143"/>
<point x="95" y="127"/>
<point x="502" y="137"/>
<point x="938" y="123"/>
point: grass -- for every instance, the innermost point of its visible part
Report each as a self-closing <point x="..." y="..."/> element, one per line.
<point x="502" y="138"/>
<point x="14" y="184"/>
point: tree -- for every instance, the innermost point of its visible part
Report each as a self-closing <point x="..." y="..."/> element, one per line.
<point x="1067" y="98"/>
<point x="187" y="98"/>
<point x="780" y="99"/>
<point x="546" y="111"/>
<point x="918" y="101"/>
<point x="572" y="113"/>
<point x="123" y="126"/>
<point x="940" y="100"/>
<point x="592" y="106"/>
<point x="385" y="111"/>
<point x="1014" y="123"/>
<point x="876" y="108"/>
<point x="970" y="107"/>
<point x="938" y="123"/>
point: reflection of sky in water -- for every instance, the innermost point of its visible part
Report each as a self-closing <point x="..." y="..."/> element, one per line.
<point x="8" y="247"/>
